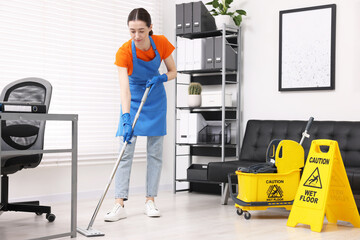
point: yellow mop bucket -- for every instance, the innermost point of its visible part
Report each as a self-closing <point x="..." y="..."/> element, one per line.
<point x="259" y="191"/>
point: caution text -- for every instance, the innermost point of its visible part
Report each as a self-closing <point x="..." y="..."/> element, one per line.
<point x="274" y="181"/>
<point x="319" y="160"/>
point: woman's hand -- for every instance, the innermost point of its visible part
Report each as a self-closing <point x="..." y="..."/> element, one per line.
<point x="157" y="79"/>
<point x="127" y="128"/>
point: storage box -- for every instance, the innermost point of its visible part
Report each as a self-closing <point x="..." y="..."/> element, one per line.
<point x="197" y="172"/>
<point x="212" y="133"/>
<point x="213" y="99"/>
<point x="208" y="188"/>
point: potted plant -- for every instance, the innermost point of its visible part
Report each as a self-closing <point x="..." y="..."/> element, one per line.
<point x="223" y="15"/>
<point x="194" y="99"/>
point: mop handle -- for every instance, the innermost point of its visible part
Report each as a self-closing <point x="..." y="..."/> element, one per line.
<point x="118" y="161"/>
<point x="305" y="133"/>
<point x="141" y="106"/>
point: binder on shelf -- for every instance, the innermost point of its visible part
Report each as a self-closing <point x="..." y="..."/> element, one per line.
<point x="190" y="126"/>
<point x="196" y="124"/>
<point x="183" y="127"/>
<point x="179" y="19"/>
<point x="181" y="53"/>
<point x="209" y="53"/>
<point x="231" y="59"/>
<point x="28" y="107"/>
<point x="189" y="56"/>
<point x="202" y="19"/>
<point x="199" y="52"/>
<point x="188" y="17"/>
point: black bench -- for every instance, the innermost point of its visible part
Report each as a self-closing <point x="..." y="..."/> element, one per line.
<point x="259" y="133"/>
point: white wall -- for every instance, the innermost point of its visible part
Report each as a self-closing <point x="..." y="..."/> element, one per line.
<point x="262" y="100"/>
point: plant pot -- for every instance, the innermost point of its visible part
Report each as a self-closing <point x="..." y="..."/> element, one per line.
<point x="194" y="100"/>
<point x="221" y="19"/>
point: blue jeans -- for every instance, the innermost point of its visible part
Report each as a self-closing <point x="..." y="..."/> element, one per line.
<point x="154" y="163"/>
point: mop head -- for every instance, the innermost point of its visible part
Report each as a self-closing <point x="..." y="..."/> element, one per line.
<point x="90" y="232"/>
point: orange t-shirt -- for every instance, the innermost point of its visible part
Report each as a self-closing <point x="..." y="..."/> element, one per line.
<point x="124" y="54"/>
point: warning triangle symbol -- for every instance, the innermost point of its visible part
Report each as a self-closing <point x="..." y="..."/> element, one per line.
<point x="275" y="192"/>
<point x="314" y="180"/>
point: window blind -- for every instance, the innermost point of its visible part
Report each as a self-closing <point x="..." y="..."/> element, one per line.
<point x="72" y="44"/>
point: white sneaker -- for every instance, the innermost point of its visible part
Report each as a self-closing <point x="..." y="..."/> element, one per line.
<point x="118" y="212"/>
<point x="151" y="210"/>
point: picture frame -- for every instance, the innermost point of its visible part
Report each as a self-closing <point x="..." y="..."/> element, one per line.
<point x="307" y="48"/>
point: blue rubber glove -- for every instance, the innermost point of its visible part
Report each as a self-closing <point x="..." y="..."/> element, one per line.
<point x="127" y="128"/>
<point x="157" y="79"/>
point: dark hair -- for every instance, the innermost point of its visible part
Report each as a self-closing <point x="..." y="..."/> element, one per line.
<point x="140" y="14"/>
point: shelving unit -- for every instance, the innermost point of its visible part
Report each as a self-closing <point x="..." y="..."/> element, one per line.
<point x="220" y="77"/>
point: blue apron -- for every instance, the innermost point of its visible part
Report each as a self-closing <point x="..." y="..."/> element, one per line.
<point x="152" y="119"/>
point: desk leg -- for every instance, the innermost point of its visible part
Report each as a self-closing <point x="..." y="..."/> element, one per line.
<point x="0" y="169"/>
<point x="74" y="159"/>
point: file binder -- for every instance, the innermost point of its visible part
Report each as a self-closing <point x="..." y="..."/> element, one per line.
<point x="202" y="19"/>
<point x="199" y="52"/>
<point x="231" y="58"/>
<point x="189" y="56"/>
<point x="196" y="124"/>
<point x="184" y="127"/>
<point x="188" y="17"/>
<point x="179" y="19"/>
<point x="190" y="126"/>
<point x="209" y="53"/>
<point x="22" y="107"/>
<point x="180" y="54"/>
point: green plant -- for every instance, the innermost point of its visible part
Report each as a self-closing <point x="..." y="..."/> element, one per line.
<point x="222" y="8"/>
<point x="195" y="88"/>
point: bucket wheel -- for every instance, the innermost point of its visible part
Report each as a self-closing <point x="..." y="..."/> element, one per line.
<point x="239" y="211"/>
<point x="247" y="215"/>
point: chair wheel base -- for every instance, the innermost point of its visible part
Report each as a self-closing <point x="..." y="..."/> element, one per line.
<point x="50" y="217"/>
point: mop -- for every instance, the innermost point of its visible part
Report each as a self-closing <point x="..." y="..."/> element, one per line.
<point x="89" y="231"/>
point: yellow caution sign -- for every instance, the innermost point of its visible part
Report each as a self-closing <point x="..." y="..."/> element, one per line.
<point x="324" y="189"/>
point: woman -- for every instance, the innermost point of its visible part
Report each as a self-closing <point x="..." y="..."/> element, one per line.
<point x="138" y="61"/>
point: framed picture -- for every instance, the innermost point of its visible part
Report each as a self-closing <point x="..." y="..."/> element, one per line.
<point x="307" y="48"/>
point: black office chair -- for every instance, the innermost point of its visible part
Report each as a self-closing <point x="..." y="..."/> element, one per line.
<point x="23" y="135"/>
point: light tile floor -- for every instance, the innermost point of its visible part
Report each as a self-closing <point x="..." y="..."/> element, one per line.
<point x="184" y="216"/>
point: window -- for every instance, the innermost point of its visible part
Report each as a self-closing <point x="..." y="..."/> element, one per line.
<point x="72" y="44"/>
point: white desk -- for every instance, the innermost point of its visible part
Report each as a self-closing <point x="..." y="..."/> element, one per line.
<point x="74" y="149"/>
